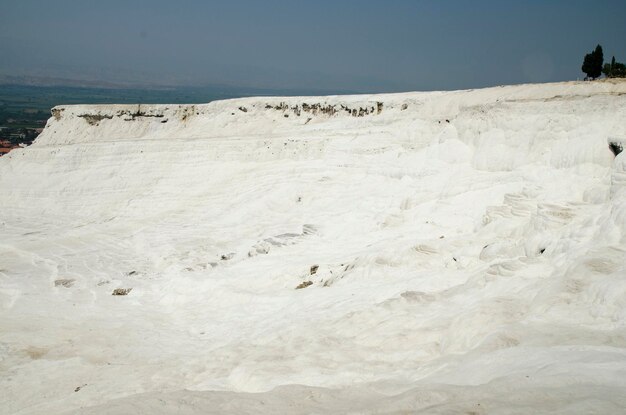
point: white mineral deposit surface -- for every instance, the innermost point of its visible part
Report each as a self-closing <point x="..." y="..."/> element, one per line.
<point x="465" y="250"/>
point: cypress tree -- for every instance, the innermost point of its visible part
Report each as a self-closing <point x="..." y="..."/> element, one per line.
<point x="592" y="64"/>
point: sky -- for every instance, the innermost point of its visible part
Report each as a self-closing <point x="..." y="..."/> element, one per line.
<point x="340" y="45"/>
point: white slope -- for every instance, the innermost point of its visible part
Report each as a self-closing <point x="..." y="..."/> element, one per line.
<point x="470" y="244"/>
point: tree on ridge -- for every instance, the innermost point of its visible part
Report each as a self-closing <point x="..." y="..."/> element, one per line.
<point x="592" y="64"/>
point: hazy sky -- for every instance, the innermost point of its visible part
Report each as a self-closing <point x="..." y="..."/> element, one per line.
<point x="361" y="45"/>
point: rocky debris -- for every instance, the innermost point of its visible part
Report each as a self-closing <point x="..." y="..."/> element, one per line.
<point x="328" y="109"/>
<point x="304" y="285"/>
<point x="404" y="106"/>
<point x="56" y="113"/>
<point x="186" y="112"/>
<point x="226" y="257"/>
<point x="137" y="114"/>
<point x="615" y="147"/>
<point x="64" y="282"/>
<point x="281" y="107"/>
<point x="121" y="291"/>
<point x="94" y="119"/>
<point x="243" y="109"/>
<point x="127" y="115"/>
<point x="313" y="269"/>
<point x="131" y="273"/>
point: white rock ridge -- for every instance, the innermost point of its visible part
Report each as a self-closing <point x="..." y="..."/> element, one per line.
<point x="465" y="251"/>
